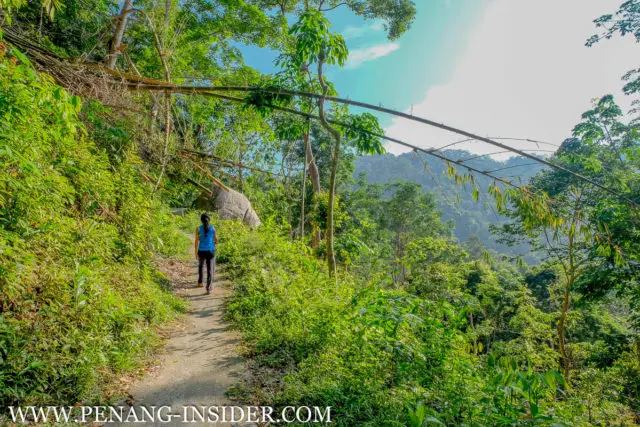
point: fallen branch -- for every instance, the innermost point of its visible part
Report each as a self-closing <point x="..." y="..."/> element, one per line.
<point x="215" y="180"/>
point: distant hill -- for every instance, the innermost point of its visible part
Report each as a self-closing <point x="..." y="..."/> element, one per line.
<point x="457" y="204"/>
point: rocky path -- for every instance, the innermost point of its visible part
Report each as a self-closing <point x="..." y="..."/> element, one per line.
<point x="200" y="361"/>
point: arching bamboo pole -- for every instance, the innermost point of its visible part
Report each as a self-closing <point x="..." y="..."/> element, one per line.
<point x="213" y="89"/>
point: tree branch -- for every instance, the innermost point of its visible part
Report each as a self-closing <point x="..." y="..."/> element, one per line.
<point x="332" y="7"/>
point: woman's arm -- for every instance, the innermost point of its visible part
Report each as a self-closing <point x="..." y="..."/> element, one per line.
<point x="215" y="236"/>
<point x="197" y="242"/>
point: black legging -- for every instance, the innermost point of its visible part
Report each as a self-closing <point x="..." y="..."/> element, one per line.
<point x="210" y="258"/>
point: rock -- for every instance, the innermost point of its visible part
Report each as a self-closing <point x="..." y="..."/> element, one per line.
<point x="179" y="211"/>
<point x="229" y="204"/>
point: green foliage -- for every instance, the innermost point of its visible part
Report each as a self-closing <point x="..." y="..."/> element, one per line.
<point x="399" y="14"/>
<point x="625" y="21"/>
<point x="520" y="395"/>
<point x="456" y="203"/>
<point x="77" y="291"/>
<point x="264" y="99"/>
<point x="590" y="238"/>
<point x="359" y="133"/>
<point x="347" y="340"/>
<point x="397" y="357"/>
<point x="48" y="6"/>
<point x="314" y="41"/>
<point x="74" y="28"/>
<point x="434" y="268"/>
<point x="415" y="329"/>
<point x="10" y="5"/>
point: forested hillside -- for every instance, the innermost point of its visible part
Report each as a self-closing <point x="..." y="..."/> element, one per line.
<point x="472" y="219"/>
<point x="383" y="296"/>
<point x="79" y="293"/>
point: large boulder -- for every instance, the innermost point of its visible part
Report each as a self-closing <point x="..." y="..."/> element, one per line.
<point x="229" y="204"/>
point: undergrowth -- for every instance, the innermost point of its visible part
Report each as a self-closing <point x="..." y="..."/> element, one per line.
<point x="362" y="350"/>
<point x="376" y="356"/>
<point x="79" y="296"/>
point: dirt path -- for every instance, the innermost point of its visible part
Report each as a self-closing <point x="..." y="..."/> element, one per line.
<point x="201" y="360"/>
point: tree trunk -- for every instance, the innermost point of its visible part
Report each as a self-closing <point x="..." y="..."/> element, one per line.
<point x="313" y="169"/>
<point x="335" y="157"/>
<point x="314" y="173"/>
<point x="396" y="275"/>
<point x="118" y="34"/>
<point x="570" y="276"/>
<point x="167" y="17"/>
<point x="168" y="122"/>
<point x="167" y="135"/>
<point x="240" y="163"/>
<point x="304" y="192"/>
<point x="331" y="257"/>
<point x="561" y="333"/>
<point x="154" y="110"/>
<point x="475" y="341"/>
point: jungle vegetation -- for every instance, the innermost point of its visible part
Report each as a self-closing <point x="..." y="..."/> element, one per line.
<point x="355" y="292"/>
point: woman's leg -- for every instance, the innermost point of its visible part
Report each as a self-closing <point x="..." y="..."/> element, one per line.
<point x="213" y="265"/>
<point x="200" y="265"/>
<point x="209" y="257"/>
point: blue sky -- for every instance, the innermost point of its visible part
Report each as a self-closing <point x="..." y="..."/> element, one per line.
<point x="406" y="67"/>
<point x="501" y="68"/>
<point x="423" y="56"/>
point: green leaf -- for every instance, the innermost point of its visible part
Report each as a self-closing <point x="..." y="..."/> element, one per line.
<point x="21" y="57"/>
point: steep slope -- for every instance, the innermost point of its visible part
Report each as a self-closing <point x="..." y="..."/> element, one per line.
<point x="79" y="296"/>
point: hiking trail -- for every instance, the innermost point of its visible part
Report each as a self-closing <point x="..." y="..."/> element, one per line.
<point x="200" y="360"/>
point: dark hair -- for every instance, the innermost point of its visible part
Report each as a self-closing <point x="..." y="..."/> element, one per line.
<point x="205" y="221"/>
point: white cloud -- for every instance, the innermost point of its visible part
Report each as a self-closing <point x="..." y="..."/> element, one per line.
<point x="359" y="56"/>
<point x="351" y="32"/>
<point x="526" y="73"/>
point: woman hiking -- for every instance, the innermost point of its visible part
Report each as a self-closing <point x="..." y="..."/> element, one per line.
<point x="206" y="241"/>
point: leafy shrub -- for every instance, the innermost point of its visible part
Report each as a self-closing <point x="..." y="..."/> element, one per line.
<point x="77" y="290"/>
<point x="382" y="356"/>
<point x="364" y="351"/>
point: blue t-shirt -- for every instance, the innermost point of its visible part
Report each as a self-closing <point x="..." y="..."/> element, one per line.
<point x="205" y="242"/>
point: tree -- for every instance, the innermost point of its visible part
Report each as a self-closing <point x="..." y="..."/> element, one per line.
<point x="115" y="45"/>
<point x="315" y="44"/>
<point x="298" y="76"/>
<point x="409" y="214"/>
<point x="75" y="28"/>
<point x="396" y="14"/>
<point x="625" y="21"/>
<point x="434" y="268"/>
<point x="588" y="233"/>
